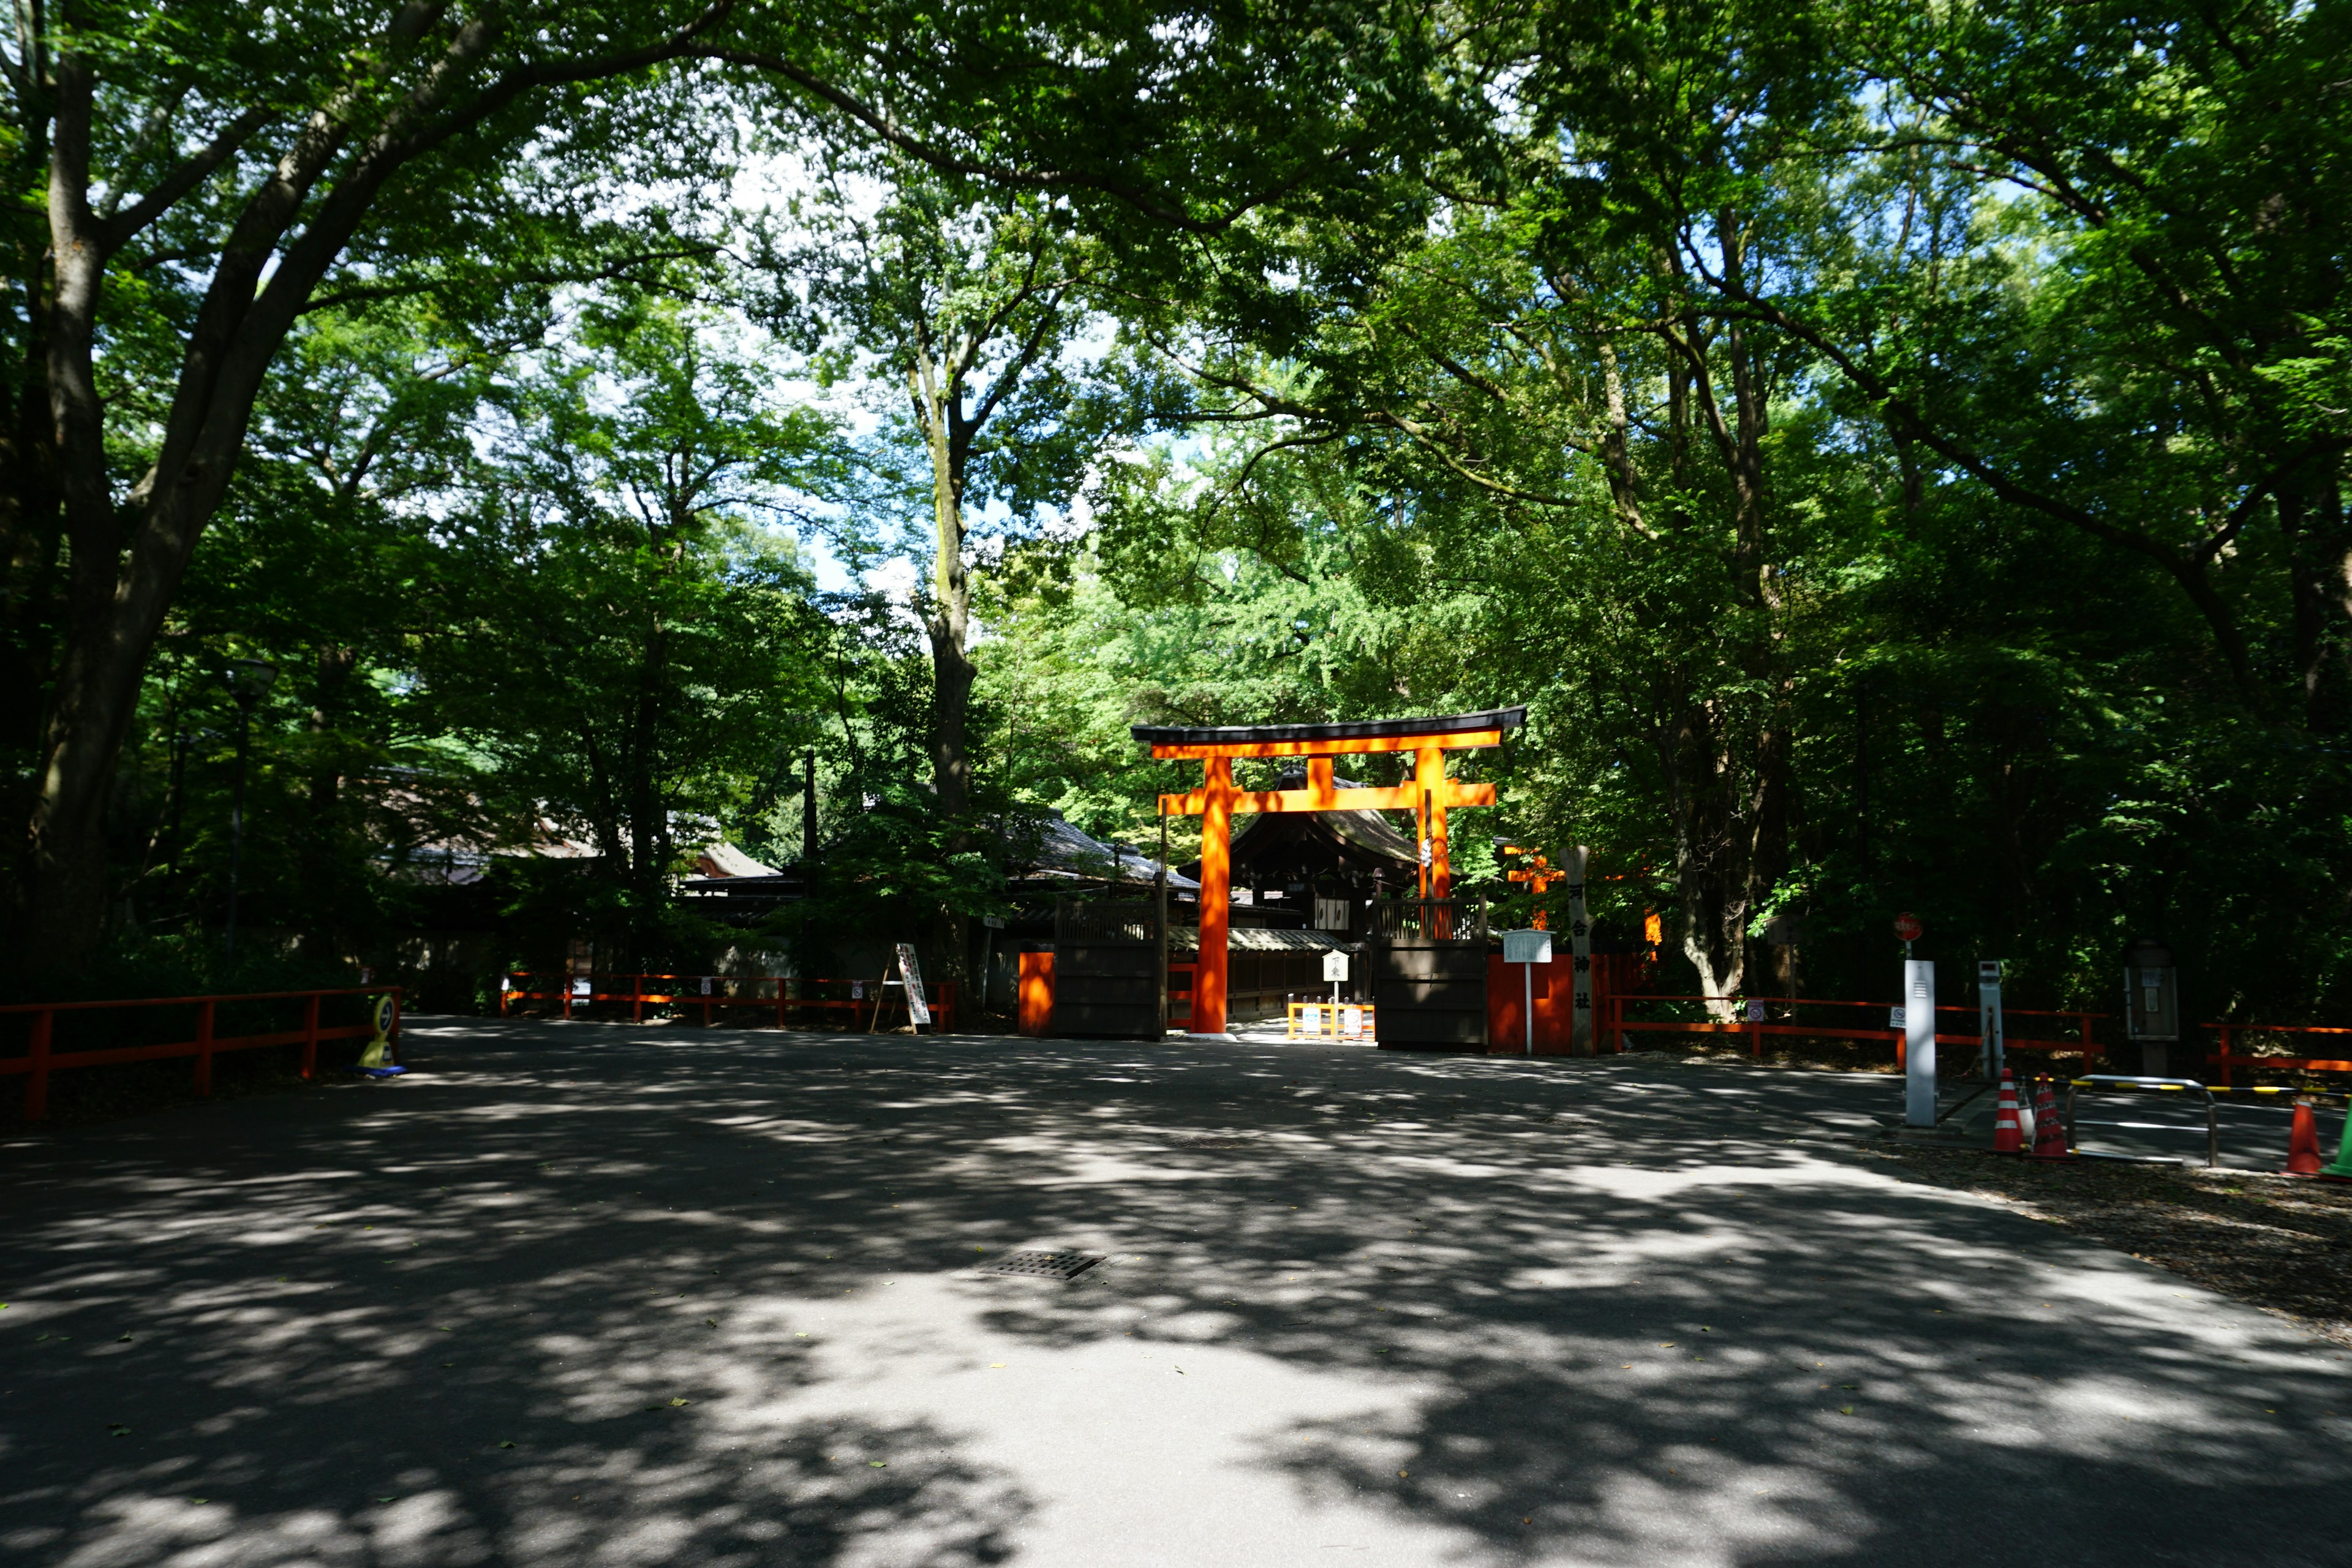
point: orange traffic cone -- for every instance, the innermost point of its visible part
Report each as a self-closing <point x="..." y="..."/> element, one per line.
<point x="2303" y="1141"/>
<point x="2049" y="1132"/>
<point x="2007" y="1137"/>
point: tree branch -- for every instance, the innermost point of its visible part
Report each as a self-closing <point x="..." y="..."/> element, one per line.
<point x="192" y="172"/>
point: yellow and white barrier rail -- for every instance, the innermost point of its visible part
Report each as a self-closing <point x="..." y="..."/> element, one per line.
<point x="1322" y="1021"/>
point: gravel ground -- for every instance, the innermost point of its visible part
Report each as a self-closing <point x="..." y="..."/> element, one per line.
<point x="2280" y="1243"/>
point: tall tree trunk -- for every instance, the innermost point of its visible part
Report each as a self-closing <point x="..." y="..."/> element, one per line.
<point x="1702" y="807"/>
<point x="2311" y="519"/>
<point x="333" y="664"/>
<point x="937" y="403"/>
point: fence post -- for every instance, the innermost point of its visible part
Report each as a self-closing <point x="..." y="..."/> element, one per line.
<point x="204" y="1047"/>
<point x="310" y="1036"/>
<point x="37" y="1081"/>
<point x="781" y="983"/>
<point x="636" y="998"/>
<point x="392" y="1035"/>
<point x="503" y="978"/>
<point x="566" y="984"/>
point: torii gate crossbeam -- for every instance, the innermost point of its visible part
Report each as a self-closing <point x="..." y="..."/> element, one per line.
<point x="1427" y="796"/>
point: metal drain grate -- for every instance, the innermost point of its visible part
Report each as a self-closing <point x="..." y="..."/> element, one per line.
<point x="1212" y="1143"/>
<point x="1031" y="1264"/>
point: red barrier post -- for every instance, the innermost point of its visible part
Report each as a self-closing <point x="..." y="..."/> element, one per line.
<point x="205" y="1047"/>
<point x="37" y="1081"/>
<point x="310" y="1036"/>
<point x="636" y="998"/>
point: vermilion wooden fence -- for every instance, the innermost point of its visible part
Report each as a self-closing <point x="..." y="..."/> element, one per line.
<point x="2233" y="1066"/>
<point x="708" y="992"/>
<point x="1616" y="1025"/>
<point x="42" y="1057"/>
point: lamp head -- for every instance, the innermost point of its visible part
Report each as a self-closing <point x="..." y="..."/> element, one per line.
<point x="249" y="680"/>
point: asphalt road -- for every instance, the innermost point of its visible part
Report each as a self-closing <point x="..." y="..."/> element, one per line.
<point x="601" y="1294"/>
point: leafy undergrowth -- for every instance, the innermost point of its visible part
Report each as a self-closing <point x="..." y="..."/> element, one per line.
<point x="2280" y="1243"/>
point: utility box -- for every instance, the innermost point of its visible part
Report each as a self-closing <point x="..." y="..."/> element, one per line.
<point x="1989" y="1030"/>
<point x="2151" y="1002"/>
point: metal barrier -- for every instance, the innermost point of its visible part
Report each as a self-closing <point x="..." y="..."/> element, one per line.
<point x="41" y="1059"/>
<point x="711" y="991"/>
<point x="1322" y="1021"/>
<point x="1615" y="1026"/>
<point x="2169" y="1085"/>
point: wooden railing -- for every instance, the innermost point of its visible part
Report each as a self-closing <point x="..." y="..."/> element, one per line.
<point x="1089" y="920"/>
<point x="42" y="1057"/>
<point x="2233" y="1065"/>
<point x="1615" y="1024"/>
<point x="1429" y="919"/>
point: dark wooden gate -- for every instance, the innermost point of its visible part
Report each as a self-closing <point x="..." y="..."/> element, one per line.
<point x="1107" y="969"/>
<point x="1429" y="974"/>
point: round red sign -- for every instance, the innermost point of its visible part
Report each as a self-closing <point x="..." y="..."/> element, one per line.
<point x="1907" y="926"/>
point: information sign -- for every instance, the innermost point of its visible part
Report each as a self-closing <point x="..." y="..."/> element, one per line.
<point x="917" y="1008"/>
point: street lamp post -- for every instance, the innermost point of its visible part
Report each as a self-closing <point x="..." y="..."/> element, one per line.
<point x="250" y="680"/>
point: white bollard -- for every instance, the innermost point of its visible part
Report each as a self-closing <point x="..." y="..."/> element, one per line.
<point x="1919" y="1042"/>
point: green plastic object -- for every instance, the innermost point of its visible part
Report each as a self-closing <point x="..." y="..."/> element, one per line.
<point x="2342" y="1166"/>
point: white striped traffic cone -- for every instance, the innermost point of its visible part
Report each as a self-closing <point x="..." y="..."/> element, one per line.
<point x="2007" y="1137"/>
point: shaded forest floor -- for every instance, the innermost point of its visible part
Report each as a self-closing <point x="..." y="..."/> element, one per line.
<point x="2280" y="1243"/>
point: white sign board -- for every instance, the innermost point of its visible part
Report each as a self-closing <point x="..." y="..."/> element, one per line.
<point x="917" y="1006"/>
<point x="1311" y="1018"/>
<point x="1527" y="947"/>
<point x="1335" y="966"/>
<point x="1352" y="1021"/>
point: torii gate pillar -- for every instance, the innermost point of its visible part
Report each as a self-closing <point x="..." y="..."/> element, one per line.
<point x="1427" y="797"/>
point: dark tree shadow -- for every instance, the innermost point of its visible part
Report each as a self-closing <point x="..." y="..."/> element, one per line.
<point x="1596" y="1313"/>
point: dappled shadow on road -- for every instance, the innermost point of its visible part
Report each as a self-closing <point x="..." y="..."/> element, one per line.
<point x="715" y="1291"/>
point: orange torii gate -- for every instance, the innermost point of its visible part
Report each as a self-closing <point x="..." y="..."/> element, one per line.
<point x="1427" y="796"/>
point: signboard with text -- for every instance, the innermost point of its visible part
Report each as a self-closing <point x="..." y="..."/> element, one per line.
<point x="917" y="1007"/>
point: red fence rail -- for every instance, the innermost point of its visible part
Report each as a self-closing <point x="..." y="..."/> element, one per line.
<point x="42" y="1058"/>
<point x="1618" y="1025"/>
<point x="709" y="992"/>
<point x="2232" y="1065"/>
